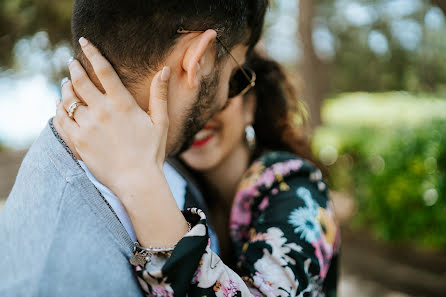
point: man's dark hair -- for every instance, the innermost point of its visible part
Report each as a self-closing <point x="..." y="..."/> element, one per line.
<point x="136" y="35"/>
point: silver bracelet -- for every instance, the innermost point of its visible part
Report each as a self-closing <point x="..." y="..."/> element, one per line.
<point x="152" y="249"/>
<point x="142" y="255"/>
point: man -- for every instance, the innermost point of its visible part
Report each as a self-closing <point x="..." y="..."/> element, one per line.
<point x="61" y="232"/>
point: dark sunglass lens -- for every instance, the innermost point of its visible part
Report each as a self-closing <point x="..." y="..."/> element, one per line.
<point x="234" y="86"/>
<point x="237" y="84"/>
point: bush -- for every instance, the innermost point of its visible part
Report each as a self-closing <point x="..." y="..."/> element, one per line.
<point x="396" y="174"/>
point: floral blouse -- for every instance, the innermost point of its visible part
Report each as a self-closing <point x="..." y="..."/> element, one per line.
<point x="284" y="236"/>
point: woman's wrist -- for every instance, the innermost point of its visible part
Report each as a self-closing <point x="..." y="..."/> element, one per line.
<point x="155" y="216"/>
<point x="133" y="184"/>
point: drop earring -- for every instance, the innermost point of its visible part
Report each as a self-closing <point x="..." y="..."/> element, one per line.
<point x="250" y="135"/>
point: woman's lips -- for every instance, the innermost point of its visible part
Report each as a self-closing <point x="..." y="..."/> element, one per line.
<point x="198" y="143"/>
<point x="203" y="137"/>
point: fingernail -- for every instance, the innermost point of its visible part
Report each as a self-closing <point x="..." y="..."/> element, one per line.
<point x="71" y="59"/>
<point x="165" y="74"/>
<point x="83" y="42"/>
<point x="63" y="81"/>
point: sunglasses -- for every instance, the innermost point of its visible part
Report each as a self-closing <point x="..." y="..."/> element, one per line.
<point x="243" y="79"/>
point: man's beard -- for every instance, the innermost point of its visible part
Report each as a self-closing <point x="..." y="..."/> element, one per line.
<point x="200" y="112"/>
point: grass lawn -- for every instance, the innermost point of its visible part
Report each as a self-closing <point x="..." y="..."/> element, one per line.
<point x="345" y="113"/>
<point x="382" y="109"/>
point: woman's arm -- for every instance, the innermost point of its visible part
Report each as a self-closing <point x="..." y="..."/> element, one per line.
<point x="123" y="146"/>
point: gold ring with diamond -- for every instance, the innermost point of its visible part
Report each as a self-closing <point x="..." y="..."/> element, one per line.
<point x="72" y="108"/>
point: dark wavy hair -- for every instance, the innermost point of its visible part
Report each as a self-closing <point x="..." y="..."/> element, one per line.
<point x="279" y="117"/>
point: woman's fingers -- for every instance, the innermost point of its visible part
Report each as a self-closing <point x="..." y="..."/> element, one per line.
<point x="69" y="126"/>
<point x="103" y="69"/>
<point x="68" y="98"/>
<point x="158" y="97"/>
<point x="83" y="85"/>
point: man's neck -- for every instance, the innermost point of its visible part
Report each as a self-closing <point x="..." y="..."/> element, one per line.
<point x="65" y="138"/>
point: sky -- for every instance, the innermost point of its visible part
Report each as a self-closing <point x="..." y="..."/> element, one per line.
<point x="27" y="96"/>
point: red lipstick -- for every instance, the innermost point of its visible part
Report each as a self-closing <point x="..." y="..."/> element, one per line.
<point x="199" y="143"/>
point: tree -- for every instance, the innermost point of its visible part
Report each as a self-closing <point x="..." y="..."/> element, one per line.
<point x="21" y="18"/>
<point x="311" y="66"/>
<point x="441" y="4"/>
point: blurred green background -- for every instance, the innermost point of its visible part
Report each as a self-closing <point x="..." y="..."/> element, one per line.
<point x="372" y="74"/>
<point x="388" y="151"/>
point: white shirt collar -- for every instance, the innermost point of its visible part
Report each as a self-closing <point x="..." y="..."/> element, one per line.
<point x="176" y="183"/>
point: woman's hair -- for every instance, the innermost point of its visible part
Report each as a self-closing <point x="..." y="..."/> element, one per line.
<point x="279" y="117"/>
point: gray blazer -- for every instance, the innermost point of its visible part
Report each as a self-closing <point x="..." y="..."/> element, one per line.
<point x="58" y="236"/>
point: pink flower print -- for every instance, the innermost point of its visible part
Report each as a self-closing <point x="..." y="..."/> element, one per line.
<point x="259" y="237"/>
<point x="269" y="176"/>
<point x="241" y="209"/>
<point x="324" y="253"/>
<point x="241" y="213"/>
<point x="266" y="179"/>
<point x="197" y="274"/>
<point x="162" y="291"/>
<point x="264" y="204"/>
<point x="230" y="289"/>
<point x="284" y="168"/>
<point x="262" y="284"/>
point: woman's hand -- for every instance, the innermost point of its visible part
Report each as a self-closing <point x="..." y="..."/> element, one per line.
<point x="123" y="146"/>
<point x="119" y="142"/>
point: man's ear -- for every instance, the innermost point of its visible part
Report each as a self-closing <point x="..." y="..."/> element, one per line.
<point x="199" y="57"/>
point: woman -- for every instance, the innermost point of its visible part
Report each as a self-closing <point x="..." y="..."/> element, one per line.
<point x="284" y="238"/>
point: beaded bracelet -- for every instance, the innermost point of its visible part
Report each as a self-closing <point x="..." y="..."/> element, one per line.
<point x="142" y="255"/>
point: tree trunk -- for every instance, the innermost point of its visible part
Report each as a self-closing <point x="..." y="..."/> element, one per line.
<point x="441" y="4"/>
<point x="310" y="65"/>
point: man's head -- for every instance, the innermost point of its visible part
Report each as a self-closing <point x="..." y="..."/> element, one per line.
<point x="139" y="37"/>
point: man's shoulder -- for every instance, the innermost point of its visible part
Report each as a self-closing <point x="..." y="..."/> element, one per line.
<point x="57" y="219"/>
<point x="44" y="173"/>
<point x="49" y="152"/>
<point x="40" y="189"/>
